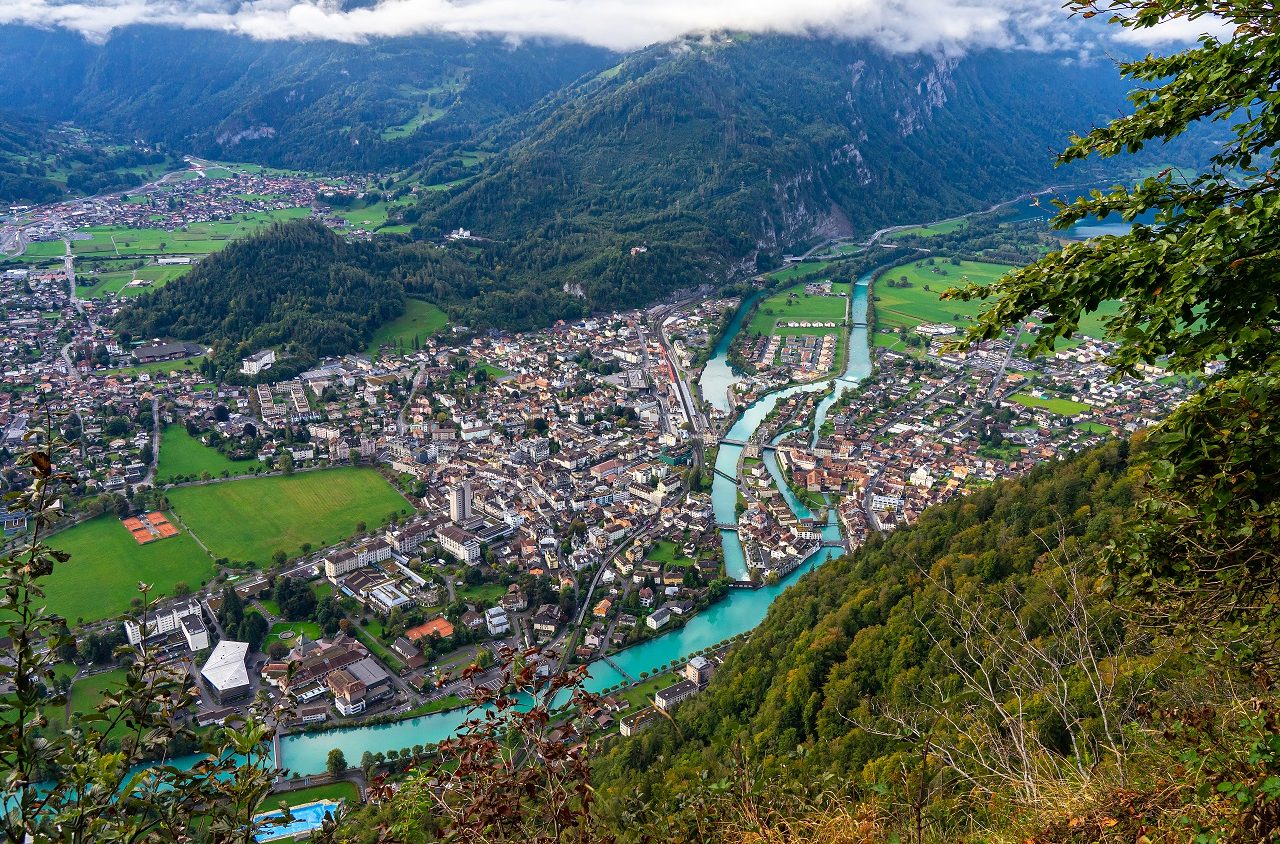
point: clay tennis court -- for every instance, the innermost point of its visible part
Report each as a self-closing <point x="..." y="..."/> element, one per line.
<point x="150" y="527"/>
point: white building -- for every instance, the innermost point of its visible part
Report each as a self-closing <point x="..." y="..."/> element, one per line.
<point x="225" y="673"/>
<point x="459" y="543"/>
<point x="356" y="557"/>
<point x="185" y="618"/>
<point x="495" y="618"/>
<point x="258" y="361"/>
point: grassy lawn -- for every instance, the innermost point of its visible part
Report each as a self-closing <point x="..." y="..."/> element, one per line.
<point x="493" y="371"/>
<point x="377" y="648"/>
<point x="251" y="519"/>
<point x="106" y="564"/>
<point x="446" y="702"/>
<point x="87" y="692"/>
<point x="182" y="454"/>
<point x="485" y="593"/>
<point x="298" y="628"/>
<point x="1094" y="427"/>
<point x="1061" y="407"/>
<point x="641" y="695"/>
<point x="162" y="367"/>
<point x="116" y="282"/>
<point x="333" y="791"/>
<point x="420" y="319"/>
<point x="665" y="552"/>
<point x="270" y="606"/>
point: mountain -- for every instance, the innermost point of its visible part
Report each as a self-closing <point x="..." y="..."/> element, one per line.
<point x="723" y="156"/>
<point x="41" y="163"/>
<point x="313" y="105"/>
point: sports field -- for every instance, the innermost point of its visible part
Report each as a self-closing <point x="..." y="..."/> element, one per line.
<point x="251" y="519"/>
<point x="106" y="564"/>
<point x="182" y="454"/>
<point x="420" y="319"/>
<point x="116" y="282"/>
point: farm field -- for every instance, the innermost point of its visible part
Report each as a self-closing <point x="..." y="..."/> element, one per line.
<point x="198" y="239"/>
<point x="907" y="307"/>
<point x="183" y="454"/>
<point x="420" y="319"/>
<point x="1061" y="407"/>
<point x="101" y="578"/>
<point x="910" y="306"/>
<point x="251" y="519"/>
<point x="45" y="249"/>
<point x="941" y="227"/>
<point x="794" y="270"/>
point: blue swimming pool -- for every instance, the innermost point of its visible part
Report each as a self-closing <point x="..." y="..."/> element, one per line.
<point x="306" y="818"/>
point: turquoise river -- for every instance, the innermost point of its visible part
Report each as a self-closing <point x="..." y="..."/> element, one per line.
<point x="743" y="609"/>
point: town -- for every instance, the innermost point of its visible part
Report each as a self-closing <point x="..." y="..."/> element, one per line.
<point x="370" y="537"/>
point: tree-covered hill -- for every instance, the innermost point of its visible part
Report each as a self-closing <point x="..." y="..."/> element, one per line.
<point x="306" y="105"/>
<point x="883" y="632"/>
<point x="727" y="155"/>
<point x="296" y="286"/>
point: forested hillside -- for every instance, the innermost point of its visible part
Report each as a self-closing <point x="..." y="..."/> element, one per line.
<point x="308" y="105"/>
<point x="297" y="286"/>
<point x="42" y="163"/>
<point x="877" y="644"/>
<point x="725" y="156"/>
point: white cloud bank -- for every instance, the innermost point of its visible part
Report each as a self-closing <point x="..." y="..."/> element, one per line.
<point x="899" y="25"/>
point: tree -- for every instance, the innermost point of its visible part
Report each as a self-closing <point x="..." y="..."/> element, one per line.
<point x="336" y="763"/>
<point x="1197" y="287"/>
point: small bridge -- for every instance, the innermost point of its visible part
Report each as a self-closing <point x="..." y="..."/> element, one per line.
<point x="727" y="526"/>
<point x="726" y="476"/>
<point x="727" y="441"/>
<point x="834" y="543"/>
<point x="743" y="584"/>
<point x="618" y="668"/>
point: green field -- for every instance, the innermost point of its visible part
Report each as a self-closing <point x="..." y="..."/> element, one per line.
<point x="164" y="367"/>
<point x="793" y="304"/>
<point x="788" y="273"/>
<point x="45" y="249"/>
<point x="943" y="227"/>
<point x="183" y="454"/>
<point x="420" y="319"/>
<point x="252" y="519"/>
<point x="106" y="564"/>
<point x="114" y="282"/>
<point x="298" y="628"/>
<point x="665" y="552"/>
<point x="1060" y="407"/>
<point x="197" y="239"/>
<point x="910" y="306"/>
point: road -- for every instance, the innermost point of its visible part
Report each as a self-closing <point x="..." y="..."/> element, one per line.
<point x="417" y="382"/>
<point x="150" y="479"/>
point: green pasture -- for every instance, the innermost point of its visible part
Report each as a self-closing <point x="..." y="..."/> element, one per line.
<point x="420" y="319"/>
<point x="106" y="564"/>
<point x="182" y="454"/>
<point x="251" y="519"/>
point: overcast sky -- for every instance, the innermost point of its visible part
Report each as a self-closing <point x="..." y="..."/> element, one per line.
<point x="951" y="26"/>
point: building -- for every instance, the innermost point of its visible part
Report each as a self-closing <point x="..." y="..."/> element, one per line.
<point x="167" y="351"/>
<point x="637" y="721"/>
<point x="459" y="543"/>
<point x="669" y="698"/>
<point x="359" y="685"/>
<point x="225" y="672"/>
<point x="658" y="618"/>
<point x="495" y="618"/>
<point x="185" y="619"/>
<point x="460" y="502"/>
<point x="699" y="670"/>
<point x="258" y="361"/>
<point x="358" y="556"/>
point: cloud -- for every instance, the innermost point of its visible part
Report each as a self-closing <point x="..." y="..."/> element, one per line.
<point x="950" y="26"/>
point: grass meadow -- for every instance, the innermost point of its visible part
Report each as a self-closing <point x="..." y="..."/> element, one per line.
<point x="182" y="454"/>
<point x="251" y="519"/>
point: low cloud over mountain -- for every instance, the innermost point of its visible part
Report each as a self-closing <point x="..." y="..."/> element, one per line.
<point x="949" y="26"/>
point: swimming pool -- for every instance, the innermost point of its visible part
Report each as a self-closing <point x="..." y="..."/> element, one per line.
<point x="306" y="818"/>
